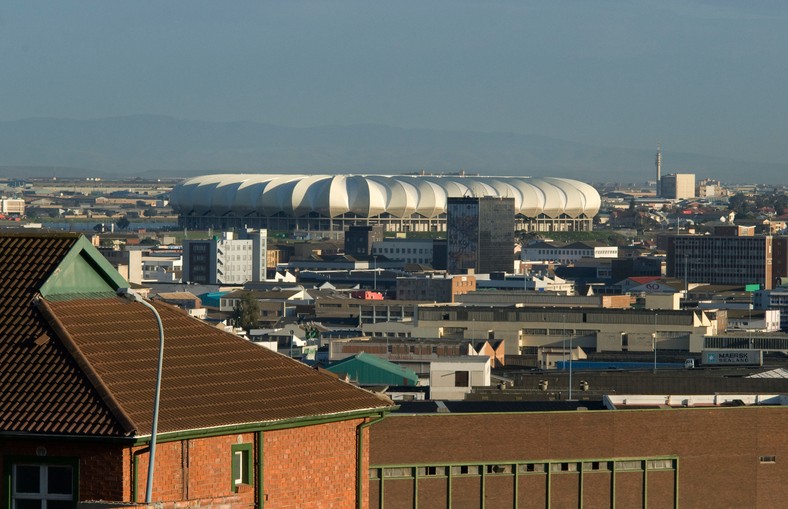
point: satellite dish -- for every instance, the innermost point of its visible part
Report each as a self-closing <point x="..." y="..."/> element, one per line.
<point x="722" y="219"/>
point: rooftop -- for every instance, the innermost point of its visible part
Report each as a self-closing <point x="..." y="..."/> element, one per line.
<point x="78" y="360"/>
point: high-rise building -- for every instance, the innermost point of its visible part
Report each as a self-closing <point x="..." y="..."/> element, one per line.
<point x="677" y="186"/>
<point x="226" y="260"/>
<point x="731" y="256"/>
<point x="480" y="234"/>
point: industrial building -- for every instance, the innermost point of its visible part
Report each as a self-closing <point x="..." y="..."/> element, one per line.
<point x="659" y="452"/>
<point x="332" y="203"/>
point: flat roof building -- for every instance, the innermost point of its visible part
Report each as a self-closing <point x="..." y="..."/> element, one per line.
<point x="480" y="234"/>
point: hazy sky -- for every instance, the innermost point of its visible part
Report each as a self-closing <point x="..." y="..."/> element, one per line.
<point x="699" y="76"/>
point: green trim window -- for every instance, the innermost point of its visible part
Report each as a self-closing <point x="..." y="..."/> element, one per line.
<point x="43" y="485"/>
<point x="242" y="467"/>
<point x="466" y="470"/>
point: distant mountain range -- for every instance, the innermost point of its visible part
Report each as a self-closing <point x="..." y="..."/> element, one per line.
<point x="151" y="145"/>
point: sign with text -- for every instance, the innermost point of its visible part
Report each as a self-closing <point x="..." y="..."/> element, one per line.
<point x="732" y="358"/>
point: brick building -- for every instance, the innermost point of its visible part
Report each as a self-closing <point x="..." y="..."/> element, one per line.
<point x="238" y="426"/>
<point x="658" y="458"/>
<point x="436" y="288"/>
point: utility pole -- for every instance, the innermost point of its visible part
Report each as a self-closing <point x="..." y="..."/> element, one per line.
<point x="654" y="342"/>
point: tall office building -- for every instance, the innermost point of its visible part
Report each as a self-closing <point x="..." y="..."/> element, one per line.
<point x="677" y="186"/>
<point x="226" y="260"/>
<point x="480" y="234"/>
<point x="731" y="256"/>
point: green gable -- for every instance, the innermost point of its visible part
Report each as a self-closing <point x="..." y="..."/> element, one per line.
<point x="83" y="271"/>
<point x="367" y="369"/>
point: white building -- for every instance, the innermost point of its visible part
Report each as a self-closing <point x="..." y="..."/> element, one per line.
<point x="162" y="269"/>
<point x="774" y="299"/>
<point x="765" y="320"/>
<point x="15" y="206"/>
<point x="227" y="260"/>
<point x="532" y="282"/>
<point x="453" y="377"/>
<point x="567" y="253"/>
<point x="405" y="250"/>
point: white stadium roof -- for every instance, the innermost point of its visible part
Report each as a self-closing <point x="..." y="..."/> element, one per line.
<point x="372" y="195"/>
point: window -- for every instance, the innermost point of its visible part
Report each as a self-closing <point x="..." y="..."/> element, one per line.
<point x="629" y="465"/>
<point x="596" y="466"/>
<point x="465" y="470"/>
<point x="499" y="469"/>
<point x="531" y="468"/>
<point x="461" y="379"/>
<point x="242" y="465"/>
<point x="768" y="459"/>
<point x="398" y="472"/>
<point x="431" y="471"/>
<point x="43" y="486"/>
<point x="659" y="464"/>
<point x="563" y="467"/>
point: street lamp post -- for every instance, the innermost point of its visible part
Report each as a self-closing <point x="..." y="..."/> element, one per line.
<point x="571" y="354"/>
<point x="135" y="297"/>
<point x="654" y="342"/>
<point x="375" y="272"/>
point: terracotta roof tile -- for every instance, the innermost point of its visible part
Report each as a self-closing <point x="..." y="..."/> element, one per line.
<point x="42" y="390"/>
<point x="211" y="378"/>
<point x="84" y="365"/>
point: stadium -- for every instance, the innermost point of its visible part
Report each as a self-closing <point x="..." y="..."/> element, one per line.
<point x="406" y="203"/>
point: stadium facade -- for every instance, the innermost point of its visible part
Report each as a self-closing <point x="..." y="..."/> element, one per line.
<point x="402" y="203"/>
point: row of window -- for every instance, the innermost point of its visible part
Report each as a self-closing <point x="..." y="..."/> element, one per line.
<point x="525" y="468"/>
<point x="397" y="250"/>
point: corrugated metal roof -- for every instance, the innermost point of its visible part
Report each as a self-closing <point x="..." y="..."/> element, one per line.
<point x="382" y="371"/>
<point x="42" y="388"/>
<point x="210" y="378"/>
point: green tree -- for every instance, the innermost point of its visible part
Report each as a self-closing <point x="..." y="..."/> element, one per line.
<point x="122" y="223"/>
<point x="246" y="311"/>
<point x="738" y="203"/>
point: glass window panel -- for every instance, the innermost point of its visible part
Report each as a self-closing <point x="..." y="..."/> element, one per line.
<point x="27" y="504"/>
<point x="59" y="480"/>
<point x="28" y="479"/>
<point x="60" y="504"/>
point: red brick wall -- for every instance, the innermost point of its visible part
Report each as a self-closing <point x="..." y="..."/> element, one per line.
<point x="194" y="469"/>
<point x="101" y="465"/>
<point x="314" y="466"/>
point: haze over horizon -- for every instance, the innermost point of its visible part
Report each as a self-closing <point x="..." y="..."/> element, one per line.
<point x="697" y="76"/>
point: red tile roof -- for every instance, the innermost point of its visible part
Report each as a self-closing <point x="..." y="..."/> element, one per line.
<point x="86" y="366"/>
<point x="42" y="388"/>
<point x="210" y="378"/>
